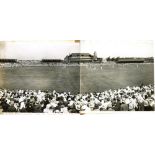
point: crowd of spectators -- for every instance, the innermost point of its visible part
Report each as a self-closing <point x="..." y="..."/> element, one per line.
<point x="29" y="63"/>
<point x="10" y="65"/>
<point x="38" y="63"/>
<point x="137" y="98"/>
<point x="22" y="63"/>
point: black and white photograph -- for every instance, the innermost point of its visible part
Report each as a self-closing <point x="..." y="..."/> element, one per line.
<point x="76" y="76"/>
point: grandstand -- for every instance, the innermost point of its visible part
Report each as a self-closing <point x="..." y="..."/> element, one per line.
<point x="8" y="60"/>
<point x="82" y="58"/>
<point x="51" y="61"/>
<point x="130" y="60"/>
<point x="149" y="60"/>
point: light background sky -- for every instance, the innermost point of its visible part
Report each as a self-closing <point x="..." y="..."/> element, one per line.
<point x="115" y="48"/>
<point x="59" y="49"/>
<point x="38" y="49"/>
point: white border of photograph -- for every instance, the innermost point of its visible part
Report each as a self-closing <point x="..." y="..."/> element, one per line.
<point x="109" y="133"/>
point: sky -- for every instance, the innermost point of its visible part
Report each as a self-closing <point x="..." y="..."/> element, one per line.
<point x="117" y="48"/>
<point x="36" y="50"/>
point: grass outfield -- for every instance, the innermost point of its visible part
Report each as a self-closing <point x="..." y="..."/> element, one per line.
<point x="96" y="79"/>
<point x="46" y="78"/>
<point x="73" y="78"/>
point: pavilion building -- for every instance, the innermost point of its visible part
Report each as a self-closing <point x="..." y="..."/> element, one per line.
<point x="82" y="58"/>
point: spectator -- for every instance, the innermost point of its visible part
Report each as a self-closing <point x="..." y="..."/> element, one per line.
<point x="128" y="99"/>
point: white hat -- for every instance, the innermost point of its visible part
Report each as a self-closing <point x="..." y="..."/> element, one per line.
<point x="48" y="106"/>
<point x="57" y="111"/>
<point x="84" y="107"/>
<point x="78" y="107"/>
<point x="69" y="99"/>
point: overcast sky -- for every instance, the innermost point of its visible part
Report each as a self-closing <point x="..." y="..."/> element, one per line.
<point x="59" y="49"/>
<point x="119" y="48"/>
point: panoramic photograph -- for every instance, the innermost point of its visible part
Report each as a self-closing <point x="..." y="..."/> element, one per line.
<point x="76" y="76"/>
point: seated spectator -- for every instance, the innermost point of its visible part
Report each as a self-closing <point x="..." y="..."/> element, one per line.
<point x="125" y="99"/>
